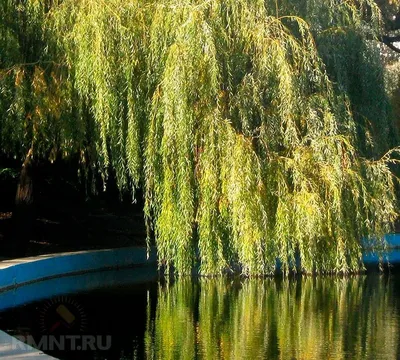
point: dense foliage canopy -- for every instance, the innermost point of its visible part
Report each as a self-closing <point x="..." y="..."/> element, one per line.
<point x="256" y="128"/>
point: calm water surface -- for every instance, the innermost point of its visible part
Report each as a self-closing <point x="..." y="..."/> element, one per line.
<point x="309" y="318"/>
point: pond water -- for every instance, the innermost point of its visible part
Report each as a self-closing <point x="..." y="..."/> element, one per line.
<point x="304" y="318"/>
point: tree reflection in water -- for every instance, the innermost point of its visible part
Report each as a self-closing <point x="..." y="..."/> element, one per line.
<point x="309" y="318"/>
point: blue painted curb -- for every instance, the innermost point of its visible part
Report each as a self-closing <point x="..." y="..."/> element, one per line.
<point x="18" y="272"/>
<point x="75" y="284"/>
<point x="393" y="240"/>
<point x="391" y="256"/>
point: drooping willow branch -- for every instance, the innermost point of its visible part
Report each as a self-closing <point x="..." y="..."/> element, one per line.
<point x="247" y="132"/>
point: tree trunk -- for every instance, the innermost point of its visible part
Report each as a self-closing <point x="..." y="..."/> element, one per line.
<point x="23" y="216"/>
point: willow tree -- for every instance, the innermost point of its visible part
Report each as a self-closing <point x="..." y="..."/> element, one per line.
<point x="257" y="129"/>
